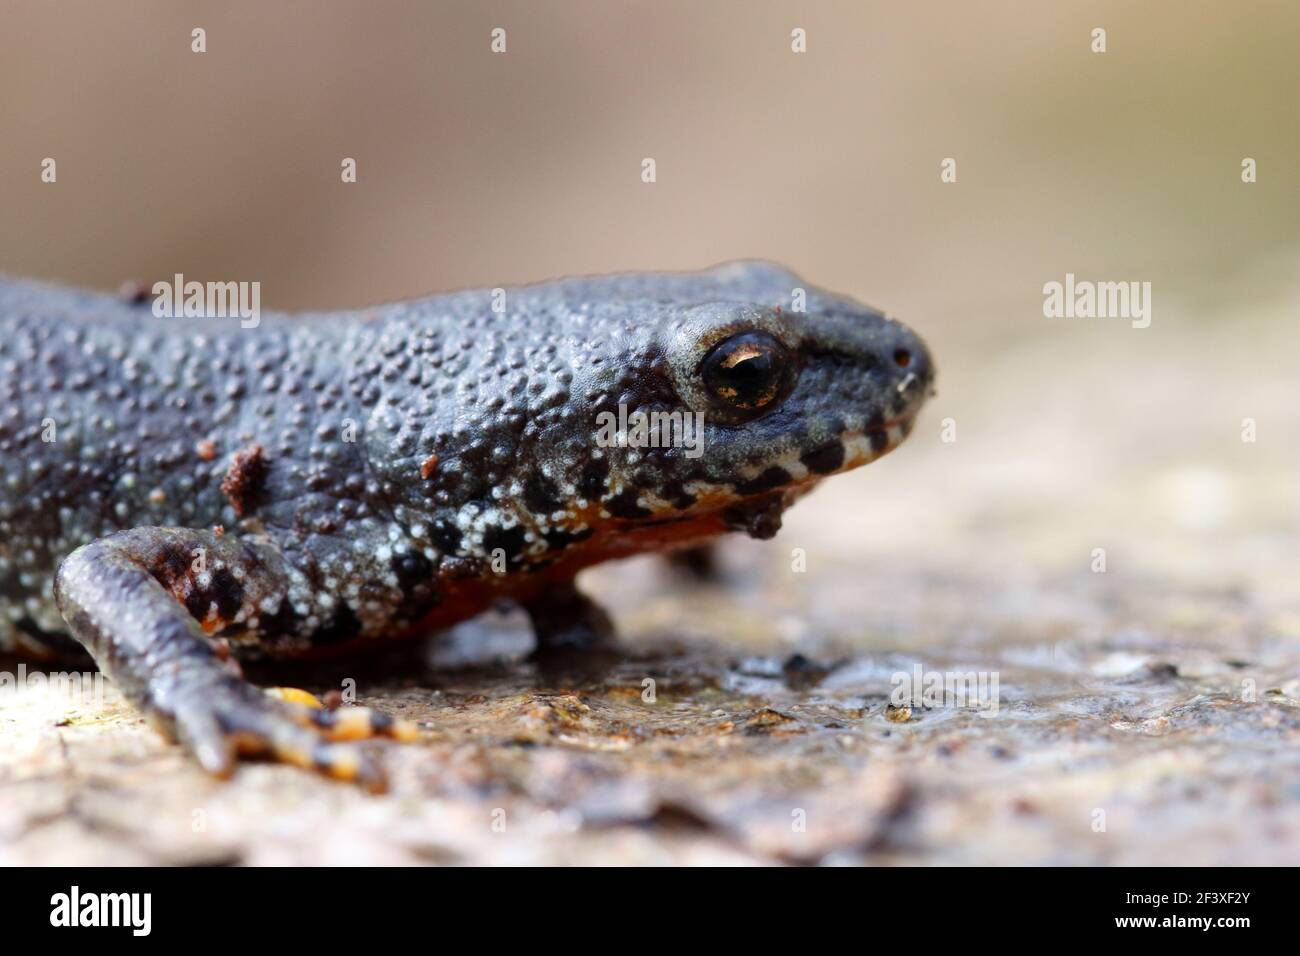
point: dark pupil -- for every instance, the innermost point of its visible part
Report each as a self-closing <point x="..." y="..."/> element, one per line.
<point x="744" y="372"/>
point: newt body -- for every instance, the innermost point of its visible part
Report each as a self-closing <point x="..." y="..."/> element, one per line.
<point x="180" y="494"/>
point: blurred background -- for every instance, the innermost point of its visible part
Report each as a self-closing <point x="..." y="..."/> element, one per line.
<point x="1071" y="434"/>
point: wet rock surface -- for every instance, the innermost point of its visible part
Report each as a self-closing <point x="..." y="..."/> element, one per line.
<point x="1176" y="745"/>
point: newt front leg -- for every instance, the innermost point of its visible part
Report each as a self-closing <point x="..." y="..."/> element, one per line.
<point x="144" y="602"/>
<point x="564" y="618"/>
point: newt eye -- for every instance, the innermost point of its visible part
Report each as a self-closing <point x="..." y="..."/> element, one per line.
<point x="749" y="372"/>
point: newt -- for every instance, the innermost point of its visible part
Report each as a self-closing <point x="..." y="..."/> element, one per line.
<point x="180" y="495"/>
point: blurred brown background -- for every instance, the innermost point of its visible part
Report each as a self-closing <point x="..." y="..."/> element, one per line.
<point x="477" y="168"/>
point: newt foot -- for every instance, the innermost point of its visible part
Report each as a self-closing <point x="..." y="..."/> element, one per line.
<point x="235" y="719"/>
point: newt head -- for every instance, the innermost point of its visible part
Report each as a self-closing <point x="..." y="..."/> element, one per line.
<point x="605" y="416"/>
<point x="785" y="399"/>
<point x="732" y="407"/>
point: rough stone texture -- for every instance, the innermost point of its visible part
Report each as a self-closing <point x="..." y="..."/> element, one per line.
<point x="1147" y="727"/>
<point x="1161" y="697"/>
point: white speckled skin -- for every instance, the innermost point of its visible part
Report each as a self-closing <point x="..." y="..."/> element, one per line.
<point x="395" y="458"/>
